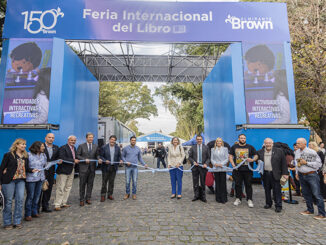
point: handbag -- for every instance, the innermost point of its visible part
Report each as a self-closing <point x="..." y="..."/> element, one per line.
<point x="45" y="185"/>
<point x="209" y="179"/>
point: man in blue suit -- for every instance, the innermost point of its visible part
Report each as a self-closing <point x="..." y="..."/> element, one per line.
<point x="111" y="156"/>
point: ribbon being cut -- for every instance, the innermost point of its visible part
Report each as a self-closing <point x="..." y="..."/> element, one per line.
<point x="259" y="168"/>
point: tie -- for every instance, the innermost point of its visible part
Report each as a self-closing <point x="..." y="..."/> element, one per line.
<point x="89" y="148"/>
<point x="199" y="154"/>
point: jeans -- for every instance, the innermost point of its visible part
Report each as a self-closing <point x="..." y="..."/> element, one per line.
<point x="33" y="195"/>
<point x="15" y="188"/>
<point x="159" y="160"/>
<point x="311" y="188"/>
<point x="131" y="172"/>
<point x="176" y="178"/>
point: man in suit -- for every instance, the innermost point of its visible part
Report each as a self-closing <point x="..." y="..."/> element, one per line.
<point x="274" y="168"/>
<point x="199" y="154"/>
<point x="52" y="153"/>
<point x="110" y="154"/>
<point x="65" y="173"/>
<point x="88" y="152"/>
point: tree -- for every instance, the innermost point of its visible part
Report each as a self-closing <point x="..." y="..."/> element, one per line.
<point x="126" y="101"/>
<point x="307" y="21"/>
<point x="133" y="125"/>
<point x="3" y="5"/>
<point x="185" y="102"/>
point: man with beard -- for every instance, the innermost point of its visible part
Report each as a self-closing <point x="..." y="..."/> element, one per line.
<point x="242" y="152"/>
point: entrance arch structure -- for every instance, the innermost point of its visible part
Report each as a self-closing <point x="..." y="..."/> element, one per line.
<point x="250" y="89"/>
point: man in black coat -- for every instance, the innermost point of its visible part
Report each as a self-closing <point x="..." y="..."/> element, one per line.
<point x="52" y="153"/>
<point x="65" y="173"/>
<point x="199" y="154"/>
<point x="110" y="154"/>
<point x="274" y="168"/>
<point x="88" y="152"/>
<point x="160" y="155"/>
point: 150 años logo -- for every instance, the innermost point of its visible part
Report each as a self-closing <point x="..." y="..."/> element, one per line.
<point x="258" y="23"/>
<point x="45" y="21"/>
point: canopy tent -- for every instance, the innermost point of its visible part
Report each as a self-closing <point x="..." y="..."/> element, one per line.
<point x="154" y="137"/>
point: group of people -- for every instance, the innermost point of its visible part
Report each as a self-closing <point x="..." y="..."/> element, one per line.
<point x="22" y="170"/>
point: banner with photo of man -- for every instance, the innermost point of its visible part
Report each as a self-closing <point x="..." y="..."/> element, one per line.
<point x="27" y="82"/>
<point x="266" y="88"/>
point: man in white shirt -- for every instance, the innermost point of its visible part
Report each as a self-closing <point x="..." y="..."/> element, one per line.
<point x="307" y="164"/>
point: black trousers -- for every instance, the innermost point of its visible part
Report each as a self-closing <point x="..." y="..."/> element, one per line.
<point x="46" y="195"/>
<point x="199" y="174"/>
<point x="220" y="187"/>
<point x="239" y="177"/>
<point x="86" y="180"/>
<point x="271" y="184"/>
<point x="108" y="181"/>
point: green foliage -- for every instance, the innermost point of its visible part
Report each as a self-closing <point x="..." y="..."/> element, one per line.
<point x="126" y="101"/>
<point x="133" y="126"/>
<point x="185" y="102"/>
<point x="3" y="5"/>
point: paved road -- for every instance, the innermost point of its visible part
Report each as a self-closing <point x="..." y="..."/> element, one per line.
<point x="156" y="219"/>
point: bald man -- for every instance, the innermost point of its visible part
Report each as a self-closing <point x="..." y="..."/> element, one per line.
<point x="307" y="164"/>
<point x="52" y="153"/>
<point x="274" y="168"/>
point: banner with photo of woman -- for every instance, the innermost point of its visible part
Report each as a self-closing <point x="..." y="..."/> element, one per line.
<point x="27" y="82"/>
<point x="266" y="88"/>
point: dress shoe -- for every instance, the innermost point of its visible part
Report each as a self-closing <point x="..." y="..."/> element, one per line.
<point x="195" y="199"/>
<point x="126" y="197"/>
<point x="203" y="200"/>
<point x="267" y="206"/>
<point x="81" y="204"/>
<point x="65" y="206"/>
<point x="134" y="197"/>
<point x="28" y="218"/>
<point x="35" y="215"/>
<point x="89" y="202"/>
<point x="46" y="210"/>
<point x="179" y="197"/>
<point x="173" y="196"/>
<point x="102" y="198"/>
<point x="57" y="209"/>
<point x="110" y="197"/>
<point x="8" y="227"/>
<point x="278" y="209"/>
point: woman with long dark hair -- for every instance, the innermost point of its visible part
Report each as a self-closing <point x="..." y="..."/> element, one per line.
<point x="34" y="180"/>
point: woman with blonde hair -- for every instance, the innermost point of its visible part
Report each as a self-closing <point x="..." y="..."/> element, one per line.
<point x="13" y="170"/>
<point x="220" y="159"/>
<point x="176" y="155"/>
<point x="313" y="145"/>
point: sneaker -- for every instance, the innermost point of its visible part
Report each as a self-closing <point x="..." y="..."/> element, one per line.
<point x="306" y="213"/>
<point x="320" y="217"/>
<point x="250" y="204"/>
<point x="237" y="202"/>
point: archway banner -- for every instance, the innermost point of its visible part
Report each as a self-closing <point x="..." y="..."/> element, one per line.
<point x="147" y="21"/>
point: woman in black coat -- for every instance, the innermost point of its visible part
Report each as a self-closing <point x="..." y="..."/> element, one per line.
<point x="13" y="170"/>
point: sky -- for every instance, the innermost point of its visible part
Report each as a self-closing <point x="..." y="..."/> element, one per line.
<point x="165" y="121"/>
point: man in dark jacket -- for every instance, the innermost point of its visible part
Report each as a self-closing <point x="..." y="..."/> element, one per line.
<point x="160" y="155"/>
<point x="52" y="153"/>
<point x="88" y="153"/>
<point x="274" y="168"/>
<point x="65" y="173"/>
<point x="199" y="155"/>
<point x="110" y="154"/>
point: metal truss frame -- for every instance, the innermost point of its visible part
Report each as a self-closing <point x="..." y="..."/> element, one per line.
<point x="119" y="62"/>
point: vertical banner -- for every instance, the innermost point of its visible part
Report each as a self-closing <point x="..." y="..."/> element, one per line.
<point x="27" y="82"/>
<point x="266" y="89"/>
